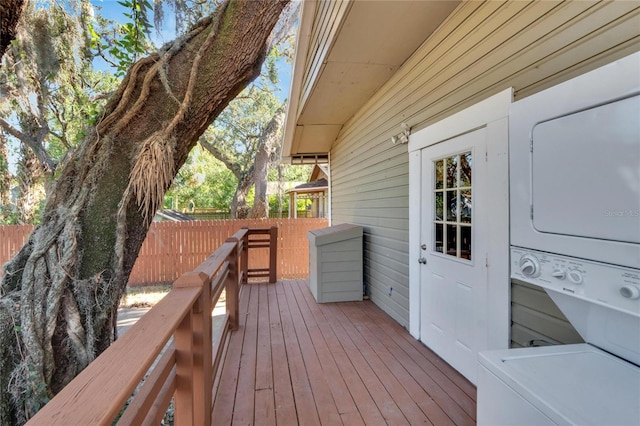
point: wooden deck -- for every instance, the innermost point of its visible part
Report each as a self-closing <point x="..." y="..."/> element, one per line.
<point x="294" y="361"/>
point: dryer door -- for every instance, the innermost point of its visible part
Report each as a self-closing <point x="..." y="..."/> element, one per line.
<point x="586" y="173"/>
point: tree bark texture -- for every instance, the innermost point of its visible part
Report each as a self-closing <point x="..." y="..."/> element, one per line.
<point x="10" y="12"/>
<point x="60" y="293"/>
<point x="269" y="140"/>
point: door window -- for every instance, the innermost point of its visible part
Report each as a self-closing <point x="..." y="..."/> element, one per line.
<point x="452" y="203"/>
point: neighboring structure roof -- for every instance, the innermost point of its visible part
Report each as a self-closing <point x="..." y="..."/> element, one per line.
<point x="313" y="186"/>
<point x="319" y="171"/>
<point x="172" y="215"/>
<point x="339" y="66"/>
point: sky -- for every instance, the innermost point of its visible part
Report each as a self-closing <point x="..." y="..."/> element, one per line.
<point x="111" y="9"/>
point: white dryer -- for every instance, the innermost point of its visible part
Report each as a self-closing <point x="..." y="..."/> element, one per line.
<point x="574" y="165"/>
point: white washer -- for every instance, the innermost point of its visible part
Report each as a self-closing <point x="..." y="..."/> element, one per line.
<point x="570" y="384"/>
<point x="564" y="385"/>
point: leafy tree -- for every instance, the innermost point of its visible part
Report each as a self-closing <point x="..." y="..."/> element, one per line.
<point x="244" y="139"/>
<point x="60" y="293"/>
<point x="121" y="45"/>
<point x="50" y="94"/>
<point x="204" y="181"/>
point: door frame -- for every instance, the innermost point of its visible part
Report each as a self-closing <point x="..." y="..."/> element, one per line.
<point x="492" y="113"/>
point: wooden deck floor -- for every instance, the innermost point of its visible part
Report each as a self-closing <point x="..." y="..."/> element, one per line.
<point x="294" y="361"/>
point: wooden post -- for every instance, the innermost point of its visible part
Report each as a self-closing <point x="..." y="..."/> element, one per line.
<point x="244" y="257"/>
<point x="233" y="286"/>
<point x="273" y="254"/>
<point x="194" y="378"/>
<point x="184" y="369"/>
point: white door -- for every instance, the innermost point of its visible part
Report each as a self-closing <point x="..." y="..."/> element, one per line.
<point x="453" y="270"/>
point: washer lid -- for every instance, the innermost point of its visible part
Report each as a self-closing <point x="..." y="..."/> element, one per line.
<point x="571" y="384"/>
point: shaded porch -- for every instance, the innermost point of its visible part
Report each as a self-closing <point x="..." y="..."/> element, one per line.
<point x="293" y="361"/>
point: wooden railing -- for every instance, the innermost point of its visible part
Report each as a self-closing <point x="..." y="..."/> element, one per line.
<point x="183" y="367"/>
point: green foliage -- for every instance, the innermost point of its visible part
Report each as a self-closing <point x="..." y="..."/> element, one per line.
<point x="52" y="94"/>
<point x="291" y="173"/>
<point x="203" y="180"/>
<point x="121" y="45"/>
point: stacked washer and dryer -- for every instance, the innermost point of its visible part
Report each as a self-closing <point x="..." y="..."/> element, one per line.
<point x="574" y="160"/>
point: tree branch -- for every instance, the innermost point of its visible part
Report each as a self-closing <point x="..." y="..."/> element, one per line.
<point x="32" y="143"/>
<point x="15" y="132"/>
<point x="218" y="154"/>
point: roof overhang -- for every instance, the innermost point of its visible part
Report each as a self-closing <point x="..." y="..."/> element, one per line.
<point x="333" y="78"/>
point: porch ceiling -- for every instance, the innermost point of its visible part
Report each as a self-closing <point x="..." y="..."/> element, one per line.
<point x="374" y="38"/>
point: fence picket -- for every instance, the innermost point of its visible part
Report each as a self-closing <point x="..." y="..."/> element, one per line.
<point x="173" y="248"/>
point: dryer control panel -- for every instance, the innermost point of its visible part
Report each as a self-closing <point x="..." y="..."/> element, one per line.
<point x="611" y="286"/>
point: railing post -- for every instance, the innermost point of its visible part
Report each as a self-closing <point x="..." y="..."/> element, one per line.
<point x="273" y="254"/>
<point x="233" y="286"/>
<point x="244" y="256"/>
<point x="194" y="376"/>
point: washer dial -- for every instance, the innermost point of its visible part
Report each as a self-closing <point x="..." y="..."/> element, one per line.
<point x="529" y="266"/>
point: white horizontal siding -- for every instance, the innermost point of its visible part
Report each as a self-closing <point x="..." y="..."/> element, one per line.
<point x="535" y="317"/>
<point x="480" y="50"/>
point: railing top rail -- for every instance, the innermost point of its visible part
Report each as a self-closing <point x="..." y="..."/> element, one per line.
<point x="259" y="231"/>
<point x="106" y="384"/>
<point x="214" y="262"/>
<point x="240" y="233"/>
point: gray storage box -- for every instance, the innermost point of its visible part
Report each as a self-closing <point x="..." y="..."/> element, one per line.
<point x="335" y="263"/>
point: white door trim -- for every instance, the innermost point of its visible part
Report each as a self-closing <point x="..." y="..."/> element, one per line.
<point x="491" y="113"/>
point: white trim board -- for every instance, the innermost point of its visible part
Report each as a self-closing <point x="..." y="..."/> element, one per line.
<point x="476" y="116"/>
<point x="493" y="114"/>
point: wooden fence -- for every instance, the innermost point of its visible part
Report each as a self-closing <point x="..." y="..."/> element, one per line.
<point x="174" y="248"/>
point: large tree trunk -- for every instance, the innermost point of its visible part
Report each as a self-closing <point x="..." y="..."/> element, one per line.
<point x="239" y="206"/>
<point x="31" y="186"/>
<point x="10" y="12"/>
<point x="5" y="177"/>
<point x="269" y="140"/>
<point x="61" y="292"/>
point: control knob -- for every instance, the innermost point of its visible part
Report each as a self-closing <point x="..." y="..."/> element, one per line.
<point x="559" y="273"/>
<point x="529" y="266"/>
<point x="630" y="291"/>
<point x="575" y="276"/>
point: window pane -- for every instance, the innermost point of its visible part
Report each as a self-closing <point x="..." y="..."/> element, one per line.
<point x="439" y="179"/>
<point x="465" y="205"/>
<point x="439" y="195"/>
<point x="452" y="206"/>
<point x="451" y="240"/>
<point x="465" y="242"/>
<point x="452" y="163"/>
<point x="465" y="169"/>
<point x="439" y="237"/>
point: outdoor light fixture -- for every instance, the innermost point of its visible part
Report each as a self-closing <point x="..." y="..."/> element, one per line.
<point x="403" y="136"/>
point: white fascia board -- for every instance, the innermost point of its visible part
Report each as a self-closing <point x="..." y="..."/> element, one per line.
<point x="307" y="15"/>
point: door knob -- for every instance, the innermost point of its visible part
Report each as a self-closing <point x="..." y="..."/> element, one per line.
<point x="422" y="260"/>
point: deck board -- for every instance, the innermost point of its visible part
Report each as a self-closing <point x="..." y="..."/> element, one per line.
<point x="293" y="361"/>
<point x="282" y="391"/>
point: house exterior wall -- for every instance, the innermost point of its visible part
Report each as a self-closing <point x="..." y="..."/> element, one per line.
<point x="481" y="49"/>
<point x="532" y="307"/>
